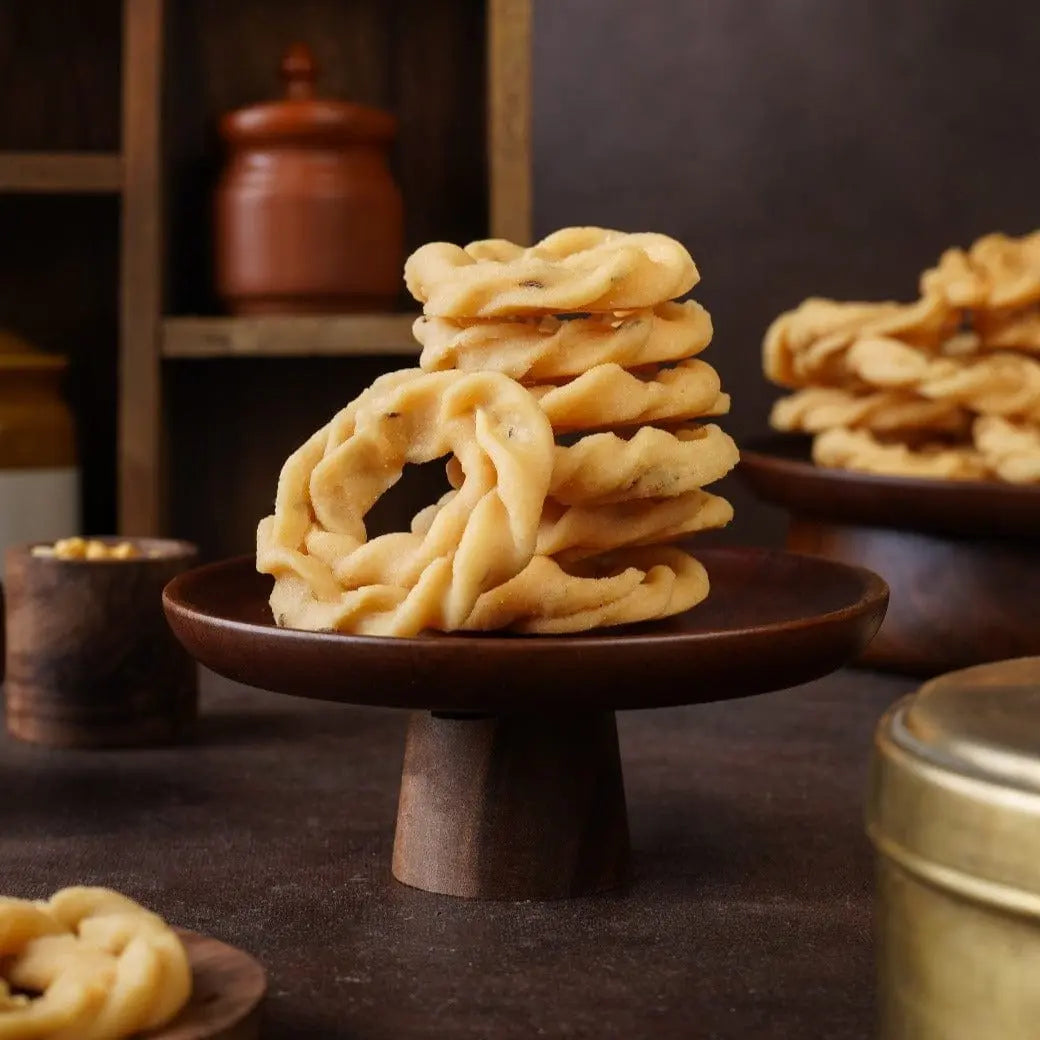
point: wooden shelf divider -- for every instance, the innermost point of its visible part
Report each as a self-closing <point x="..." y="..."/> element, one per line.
<point x="347" y="335"/>
<point x="69" y="173"/>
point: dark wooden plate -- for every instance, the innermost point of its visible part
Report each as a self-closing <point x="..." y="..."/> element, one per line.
<point x="779" y="469"/>
<point x="227" y="988"/>
<point x="772" y="620"/>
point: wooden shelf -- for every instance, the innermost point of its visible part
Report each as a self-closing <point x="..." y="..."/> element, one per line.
<point x="71" y="173"/>
<point x="347" y="335"/>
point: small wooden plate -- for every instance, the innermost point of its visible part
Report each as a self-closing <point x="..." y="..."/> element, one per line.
<point x="959" y="556"/>
<point x="228" y="986"/>
<point x="772" y="620"/>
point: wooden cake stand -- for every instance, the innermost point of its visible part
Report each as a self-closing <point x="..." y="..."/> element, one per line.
<point x="227" y="988"/>
<point x="512" y="784"/>
<point x="961" y="557"/>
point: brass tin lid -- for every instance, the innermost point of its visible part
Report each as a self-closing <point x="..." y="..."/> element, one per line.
<point x="955" y="784"/>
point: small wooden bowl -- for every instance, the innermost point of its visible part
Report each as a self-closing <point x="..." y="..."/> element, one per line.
<point x="90" y="659"/>
<point x="961" y="557"/>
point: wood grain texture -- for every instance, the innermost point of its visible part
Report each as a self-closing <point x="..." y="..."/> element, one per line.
<point x="70" y="173"/>
<point x="959" y="556"/>
<point x="772" y="619"/>
<point x="90" y="660"/>
<point x="351" y="335"/>
<point x="512" y="807"/>
<point x="955" y="601"/>
<point x="141" y="278"/>
<point x="59" y="75"/>
<point x="228" y="987"/>
<point x="509" y="118"/>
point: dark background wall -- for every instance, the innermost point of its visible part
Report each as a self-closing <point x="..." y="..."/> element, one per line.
<point x="797" y="147"/>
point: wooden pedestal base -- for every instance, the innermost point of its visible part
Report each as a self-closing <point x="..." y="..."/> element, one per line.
<point x="512" y="806"/>
<point x="956" y="601"/>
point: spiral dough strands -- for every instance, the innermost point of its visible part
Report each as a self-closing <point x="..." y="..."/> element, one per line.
<point x="562" y="383"/>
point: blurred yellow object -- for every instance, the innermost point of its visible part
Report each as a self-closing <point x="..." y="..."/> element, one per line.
<point x="954" y="814"/>
<point x="87" y="549"/>
<point x="39" y="478"/>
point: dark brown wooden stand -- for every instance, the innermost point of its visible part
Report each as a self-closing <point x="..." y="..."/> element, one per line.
<point x="512" y="784"/>
<point x="512" y="806"/>
<point x="962" y="558"/>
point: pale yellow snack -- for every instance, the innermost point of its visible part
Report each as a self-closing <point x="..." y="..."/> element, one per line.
<point x="608" y="395"/>
<point x="329" y="575"/>
<point x="1011" y="450"/>
<point x="652" y="463"/>
<point x="883" y="411"/>
<point x="997" y="273"/>
<point x="631" y="585"/>
<point x="1008" y="330"/>
<point x="995" y="384"/>
<point x="807" y="345"/>
<point x="574" y="532"/>
<point x="104" y="968"/>
<point x="860" y="450"/>
<point x="548" y="348"/>
<point x="573" y="270"/>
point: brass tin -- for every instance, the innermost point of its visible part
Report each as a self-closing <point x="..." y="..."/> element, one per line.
<point x="954" y="814"/>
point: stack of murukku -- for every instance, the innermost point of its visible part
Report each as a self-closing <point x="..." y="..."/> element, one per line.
<point x="946" y="387"/>
<point x="562" y="381"/>
<point x="586" y="321"/>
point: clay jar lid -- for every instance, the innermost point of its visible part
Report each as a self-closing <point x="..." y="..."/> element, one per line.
<point x="302" y="118"/>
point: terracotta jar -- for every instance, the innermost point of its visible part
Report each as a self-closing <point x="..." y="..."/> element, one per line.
<point x="308" y="217"/>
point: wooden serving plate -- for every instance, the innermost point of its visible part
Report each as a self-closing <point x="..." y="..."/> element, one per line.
<point x="512" y="784"/>
<point x="962" y="558"/>
<point x="227" y="988"/>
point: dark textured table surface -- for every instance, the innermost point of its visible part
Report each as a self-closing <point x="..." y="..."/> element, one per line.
<point x="750" y="913"/>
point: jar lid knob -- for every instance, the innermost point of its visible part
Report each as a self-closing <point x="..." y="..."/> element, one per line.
<point x="299" y="71"/>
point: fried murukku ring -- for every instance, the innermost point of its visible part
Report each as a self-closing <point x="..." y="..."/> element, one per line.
<point x="1010" y="450"/>
<point x="549" y="597"/>
<point x="330" y="575"/>
<point x="651" y="463"/>
<point x="860" y="450"/>
<point x="808" y="344"/>
<point x="549" y="348"/>
<point x="883" y="411"/>
<point x="574" y="270"/>
<point x="104" y="967"/>
<point x="997" y="273"/>
<point x="611" y="396"/>
<point x="574" y="532"/>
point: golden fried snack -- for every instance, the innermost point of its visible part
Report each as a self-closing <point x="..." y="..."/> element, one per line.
<point x="609" y="395"/>
<point x="1008" y="330"/>
<point x="860" y="450"/>
<point x="573" y="270"/>
<point x="652" y="463"/>
<point x="995" y="384"/>
<point x="997" y="273"/>
<point x="807" y="345"/>
<point x="98" y="966"/>
<point x="549" y="598"/>
<point x="883" y="411"/>
<point x="1011" y="450"/>
<point x="549" y="349"/>
<point x="574" y="532"/>
<point x="329" y="575"/>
